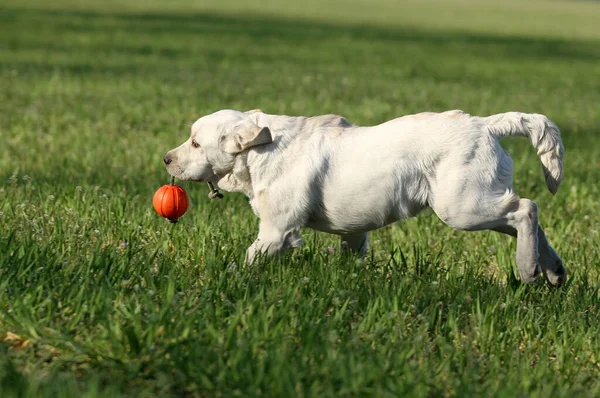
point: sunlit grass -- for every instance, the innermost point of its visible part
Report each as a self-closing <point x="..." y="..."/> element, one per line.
<point x="101" y="297"/>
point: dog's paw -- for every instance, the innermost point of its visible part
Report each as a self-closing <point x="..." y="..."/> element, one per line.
<point x="558" y="276"/>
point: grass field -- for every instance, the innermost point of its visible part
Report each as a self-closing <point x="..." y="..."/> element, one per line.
<point x="101" y="297"/>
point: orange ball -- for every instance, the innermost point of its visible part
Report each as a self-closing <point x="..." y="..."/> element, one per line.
<point x="171" y="202"/>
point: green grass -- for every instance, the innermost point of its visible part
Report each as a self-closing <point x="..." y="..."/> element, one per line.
<point x="101" y="297"/>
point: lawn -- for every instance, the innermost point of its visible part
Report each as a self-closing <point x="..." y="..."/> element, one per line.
<point x="100" y="297"/>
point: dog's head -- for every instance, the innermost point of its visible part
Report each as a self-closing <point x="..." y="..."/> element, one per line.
<point x="213" y="145"/>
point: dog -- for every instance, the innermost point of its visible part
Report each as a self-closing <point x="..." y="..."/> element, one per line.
<point x="330" y="175"/>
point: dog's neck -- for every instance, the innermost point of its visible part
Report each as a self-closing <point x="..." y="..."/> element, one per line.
<point x="256" y="169"/>
<point x="238" y="179"/>
<point x="254" y="166"/>
<point x="265" y="162"/>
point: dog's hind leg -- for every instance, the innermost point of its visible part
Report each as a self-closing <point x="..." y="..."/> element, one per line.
<point x="497" y="212"/>
<point x="356" y="243"/>
<point x="552" y="265"/>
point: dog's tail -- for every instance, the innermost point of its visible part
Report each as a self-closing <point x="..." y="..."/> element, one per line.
<point x="543" y="134"/>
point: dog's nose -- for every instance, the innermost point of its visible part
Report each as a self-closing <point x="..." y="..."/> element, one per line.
<point x="167" y="159"/>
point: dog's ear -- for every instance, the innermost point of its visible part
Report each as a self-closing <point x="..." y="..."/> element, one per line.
<point x="244" y="137"/>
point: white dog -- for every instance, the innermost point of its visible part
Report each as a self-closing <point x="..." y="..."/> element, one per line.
<point x="327" y="174"/>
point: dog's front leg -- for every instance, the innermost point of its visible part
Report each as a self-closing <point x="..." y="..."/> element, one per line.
<point x="271" y="241"/>
<point x="261" y="246"/>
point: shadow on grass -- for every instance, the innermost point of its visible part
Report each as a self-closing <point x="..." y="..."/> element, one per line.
<point x="265" y="30"/>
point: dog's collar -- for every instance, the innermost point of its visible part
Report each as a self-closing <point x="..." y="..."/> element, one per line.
<point x="214" y="193"/>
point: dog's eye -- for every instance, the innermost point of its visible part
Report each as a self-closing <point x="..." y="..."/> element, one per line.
<point x="195" y="144"/>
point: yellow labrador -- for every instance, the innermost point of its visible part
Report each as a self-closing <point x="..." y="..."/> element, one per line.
<point x="327" y="174"/>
